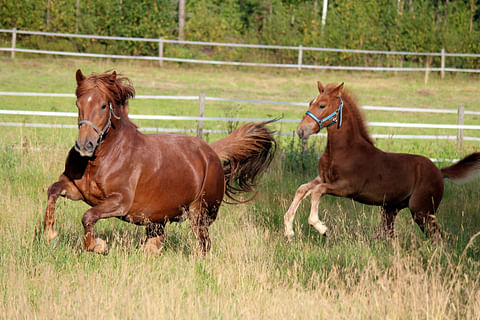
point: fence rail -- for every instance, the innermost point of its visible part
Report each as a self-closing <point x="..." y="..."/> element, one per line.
<point x="227" y="119"/>
<point x="222" y="99"/>
<point x="201" y="118"/>
<point x="299" y="65"/>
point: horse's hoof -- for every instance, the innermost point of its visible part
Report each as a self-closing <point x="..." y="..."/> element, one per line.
<point x="289" y="236"/>
<point x="51" y="234"/>
<point x="100" y="246"/>
<point x="54" y="243"/>
<point x="322" y="229"/>
<point x="152" y="247"/>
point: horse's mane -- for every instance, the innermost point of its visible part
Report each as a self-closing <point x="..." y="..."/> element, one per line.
<point x="118" y="90"/>
<point x="350" y="102"/>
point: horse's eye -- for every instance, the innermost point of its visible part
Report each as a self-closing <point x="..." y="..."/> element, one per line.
<point x="322" y="107"/>
<point x="104" y="107"/>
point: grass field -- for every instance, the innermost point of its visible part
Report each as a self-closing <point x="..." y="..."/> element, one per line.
<point x="251" y="271"/>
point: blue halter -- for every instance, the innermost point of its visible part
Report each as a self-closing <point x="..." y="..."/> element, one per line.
<point x="335" y="115"/>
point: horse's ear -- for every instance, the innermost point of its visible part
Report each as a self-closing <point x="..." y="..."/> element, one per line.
<point x="338" y="90"/>
<point x="79" y="76"/>
<point x="320" y="87"/>
<point x="113" y="76"/>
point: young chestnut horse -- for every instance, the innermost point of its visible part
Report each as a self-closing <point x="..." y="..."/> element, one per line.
<point x="150" y="179"/>
<point x="351" y="166"/>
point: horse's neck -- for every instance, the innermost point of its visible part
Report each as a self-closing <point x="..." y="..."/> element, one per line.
<point x="346" y="136"/>
<point x="119" y="134"/>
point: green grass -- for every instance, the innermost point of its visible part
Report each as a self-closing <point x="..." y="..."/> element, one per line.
<point x="251" y="271"/>
<point x="404" y="90"/>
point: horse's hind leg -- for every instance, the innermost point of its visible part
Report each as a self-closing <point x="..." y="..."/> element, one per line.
<point x="423" y="208"/>
<point x="302" y="192"/>
<point x="387" y="226"/>
<point x="426" y="221"/>
<point x="201" y="216"/>
<point x="155" y="238"/>
<point x="65" y="188"/>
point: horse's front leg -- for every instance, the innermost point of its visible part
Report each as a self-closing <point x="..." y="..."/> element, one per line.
<point x="115" y="205"/>
<point x="65" y="188"/>
<point x="302" y="192"/>
<point x="155" y="238"/>
<point x="338" y="188"/>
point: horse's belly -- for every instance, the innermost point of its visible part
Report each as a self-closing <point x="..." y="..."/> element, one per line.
<point x="166" y="193"/>
<point x="162" y="203"/>
<point x="160" y="216"/>
<point x="380" y="198"/>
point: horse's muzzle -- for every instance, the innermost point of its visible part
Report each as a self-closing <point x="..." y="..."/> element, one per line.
<point x="300" y="133"/>
<point x="304" y="132"/>
<point x="85" y="149"/>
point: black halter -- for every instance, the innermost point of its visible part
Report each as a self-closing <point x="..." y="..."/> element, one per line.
<point x="102" y="132"/>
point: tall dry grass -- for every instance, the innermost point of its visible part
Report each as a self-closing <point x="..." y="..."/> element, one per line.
<point x="250" y="272"/>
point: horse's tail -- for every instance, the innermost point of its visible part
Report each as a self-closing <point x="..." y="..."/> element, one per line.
<point x="245" y="153"/>
<point x="464" y="170"/>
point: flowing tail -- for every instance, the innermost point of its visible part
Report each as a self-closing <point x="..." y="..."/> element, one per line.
<point x="464" y="170"/>
<point x="245" y="153"/>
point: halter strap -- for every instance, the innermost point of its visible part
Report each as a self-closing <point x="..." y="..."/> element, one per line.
<point x="336" y="115"/>
<point x="102" y="132"/>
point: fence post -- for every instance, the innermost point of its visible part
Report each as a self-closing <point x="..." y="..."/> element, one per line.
<point x="160" y="51"/>
<point x="14" y="42"/>
<point x="443" y="63"/>
<point x="461" y="113"/>
<point x="300" y="57"/>
<point x="201" y="111"/>
<point x="428" y="61"/>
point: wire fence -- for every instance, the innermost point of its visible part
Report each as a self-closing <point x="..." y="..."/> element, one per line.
<point x="300" y="50"/>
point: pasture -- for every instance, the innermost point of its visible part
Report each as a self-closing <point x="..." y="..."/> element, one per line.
<point x="251" y="272"/>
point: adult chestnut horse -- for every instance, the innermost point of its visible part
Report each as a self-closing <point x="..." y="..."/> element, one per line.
<point x="150" y="179"/>
<point x="351" y="166"/>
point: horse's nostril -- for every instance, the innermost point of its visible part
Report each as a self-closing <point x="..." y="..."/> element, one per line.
<point x="300" y="133"/>
<point x="89" y="146"/>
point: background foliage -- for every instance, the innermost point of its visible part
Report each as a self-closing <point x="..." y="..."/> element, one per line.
<point x="402" y="25"/>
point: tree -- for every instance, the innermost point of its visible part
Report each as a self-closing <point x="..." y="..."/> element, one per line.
<point x="181" y="19"/>
<point x="324" y="13"/>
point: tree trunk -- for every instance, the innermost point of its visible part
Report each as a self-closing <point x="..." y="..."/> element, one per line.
<point x="181" y="19"/>
<point x="324" y="13"/>
<point x="77" y="14"/>
<point x="472" y="12"/>
<point x="47" y="16"/>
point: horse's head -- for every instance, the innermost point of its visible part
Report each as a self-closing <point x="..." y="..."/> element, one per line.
<point x="323" y="111"/>
<point x="100" y="100"/>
